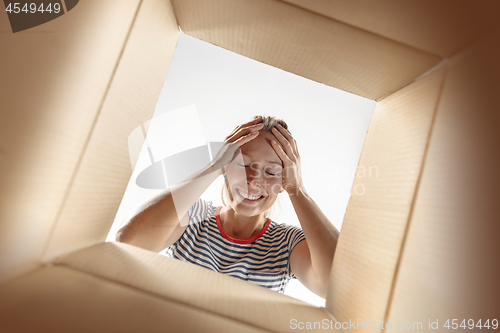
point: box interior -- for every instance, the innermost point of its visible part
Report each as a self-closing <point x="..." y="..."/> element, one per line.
<point x="74" y="88"/>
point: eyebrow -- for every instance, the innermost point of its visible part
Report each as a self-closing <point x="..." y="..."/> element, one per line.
<point x="272" y="162"/>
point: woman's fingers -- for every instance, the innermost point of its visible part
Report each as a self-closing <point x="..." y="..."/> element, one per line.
<point x="285" y="144"/>
<point x="244" y="131"/>
<point x="234" y="150"/>
<point x="290" y="139"/>
<point x="281" y="153"/>
<point x="245" y="138"/>
<point x="238" y="137"/>
<point x="253" y="121"/>
<point x="247" y="124"/>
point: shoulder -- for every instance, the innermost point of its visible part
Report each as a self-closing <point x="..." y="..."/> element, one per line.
<point x="201" y="210"/>
<point x="200" y="214"/>
<point x="290" y="234"/>
<point x="283" y="227"/>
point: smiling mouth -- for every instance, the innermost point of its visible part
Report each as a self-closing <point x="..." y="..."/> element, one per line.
<point x="249" y="197"/>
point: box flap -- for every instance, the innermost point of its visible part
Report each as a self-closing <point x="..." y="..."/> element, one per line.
<point x="192" y="285"/>
<point x="440" y="27"/>
<point x="60" y="299"/>
<point x="377" y="216"/>
<point x="104" y="169"/>
<point x="449" y="269"/>
<point x="72" y="91"/>
<point x="54" y="77"/>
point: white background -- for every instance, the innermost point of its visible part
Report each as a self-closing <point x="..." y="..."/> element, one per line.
<point x="209" y="91"/>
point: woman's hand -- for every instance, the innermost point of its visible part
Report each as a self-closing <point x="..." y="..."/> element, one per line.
<point x="238" y="137"/>
<point x="286" y="148"/>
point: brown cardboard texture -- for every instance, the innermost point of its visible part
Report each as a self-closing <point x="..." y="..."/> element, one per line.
<point x="419" y="246"/>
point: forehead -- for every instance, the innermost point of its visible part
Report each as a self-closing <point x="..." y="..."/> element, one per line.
<point x="260" y="148"/>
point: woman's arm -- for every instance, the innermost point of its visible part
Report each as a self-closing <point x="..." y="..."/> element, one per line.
<point x="161" y="220"/>
<point x="310" y="260"/>
<point x="154" y="225"/>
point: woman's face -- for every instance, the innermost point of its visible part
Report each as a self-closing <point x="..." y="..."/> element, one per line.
<point x="255" y="176"/>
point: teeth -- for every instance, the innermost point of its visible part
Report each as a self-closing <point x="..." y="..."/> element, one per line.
<point x="247" y="196"/>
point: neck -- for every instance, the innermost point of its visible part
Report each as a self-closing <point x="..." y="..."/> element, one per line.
<point x="241" y="227"/>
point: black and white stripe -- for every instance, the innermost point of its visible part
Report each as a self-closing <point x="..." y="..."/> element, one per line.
<point x="264" y="262"/>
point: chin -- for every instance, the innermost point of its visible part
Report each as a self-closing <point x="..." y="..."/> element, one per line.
<point x="245" y="210"/>
<point x="248" y="210"/>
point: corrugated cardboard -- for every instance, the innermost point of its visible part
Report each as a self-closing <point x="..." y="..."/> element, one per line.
<point x="376" y="219"/>
<point x="55" y="78"/>
<point x="306" y="44"/>
<point x="420" y="241"/>
<point x="229" y="303"/>
<point x="440" y="27"/>
<point x="104" y="168"/>
<point x="449" y="268"/>
<point x="58" y="300"/>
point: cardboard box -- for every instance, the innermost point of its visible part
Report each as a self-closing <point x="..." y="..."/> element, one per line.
<point x="419" y="247"/>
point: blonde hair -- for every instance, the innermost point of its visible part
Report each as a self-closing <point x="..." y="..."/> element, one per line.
<point x="269" y="123"/>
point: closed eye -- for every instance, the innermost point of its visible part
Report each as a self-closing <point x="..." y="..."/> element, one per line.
<point x="267" y="172"/>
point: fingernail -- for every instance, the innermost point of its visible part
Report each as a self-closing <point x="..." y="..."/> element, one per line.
<point x="274" y="142"/>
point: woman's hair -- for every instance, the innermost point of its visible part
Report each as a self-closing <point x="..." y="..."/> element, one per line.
<point x="269" y="123"/>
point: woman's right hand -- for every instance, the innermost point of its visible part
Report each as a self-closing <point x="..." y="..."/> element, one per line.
<point x="238" y="137"/>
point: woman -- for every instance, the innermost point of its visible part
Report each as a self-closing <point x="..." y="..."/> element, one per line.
<point x="259" y="161"/>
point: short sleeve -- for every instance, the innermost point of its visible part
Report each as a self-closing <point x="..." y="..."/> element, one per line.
<point x="294" y="236"/>
<point x="201" y="210"/>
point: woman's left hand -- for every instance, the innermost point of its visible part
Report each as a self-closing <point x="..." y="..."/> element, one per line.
<point x="286" y="148"/>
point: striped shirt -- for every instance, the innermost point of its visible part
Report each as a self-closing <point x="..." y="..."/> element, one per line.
<point x="263" y="260"/>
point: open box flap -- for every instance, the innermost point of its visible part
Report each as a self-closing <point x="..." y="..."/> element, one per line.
<point x="440" y="27"/>
<point x="304" y="43"/>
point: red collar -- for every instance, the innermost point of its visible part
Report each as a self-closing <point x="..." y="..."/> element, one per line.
<point x="239" y="241"/>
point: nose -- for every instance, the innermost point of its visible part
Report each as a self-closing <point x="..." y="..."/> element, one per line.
<point x="253" y="177"/>
<point x="254" y="183"/>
